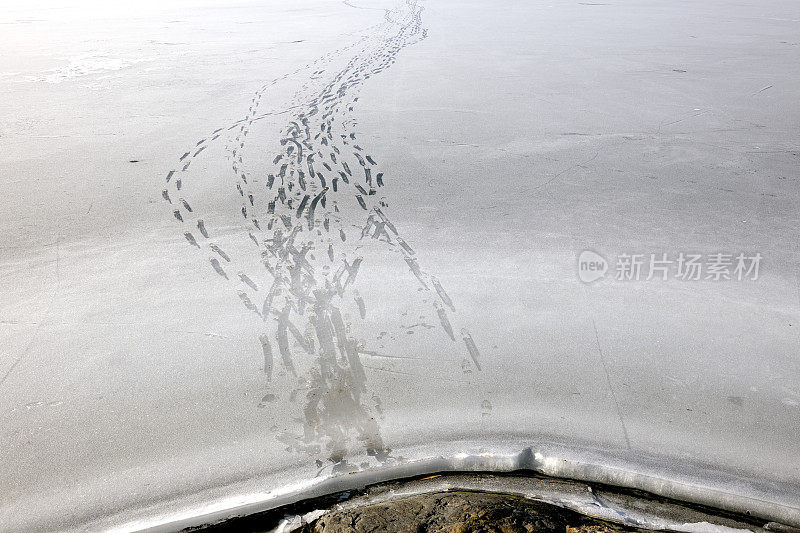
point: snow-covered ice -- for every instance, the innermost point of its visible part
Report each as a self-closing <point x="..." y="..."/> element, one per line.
<point x="247" y="247"/>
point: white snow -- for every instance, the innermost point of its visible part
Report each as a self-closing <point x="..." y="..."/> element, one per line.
<point x="512" y="136"/>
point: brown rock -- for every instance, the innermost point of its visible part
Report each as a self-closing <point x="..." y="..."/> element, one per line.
<point x="460" y="512"/>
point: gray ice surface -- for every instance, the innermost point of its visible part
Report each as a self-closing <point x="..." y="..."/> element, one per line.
<point x="183" y="333"/>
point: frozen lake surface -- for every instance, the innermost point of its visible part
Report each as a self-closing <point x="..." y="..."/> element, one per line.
<point x="250" y="248"/>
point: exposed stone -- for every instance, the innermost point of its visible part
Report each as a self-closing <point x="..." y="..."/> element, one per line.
<point x="460" y="512"/>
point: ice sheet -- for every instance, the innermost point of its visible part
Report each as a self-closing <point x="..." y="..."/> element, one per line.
<point x="146" y="365"/>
